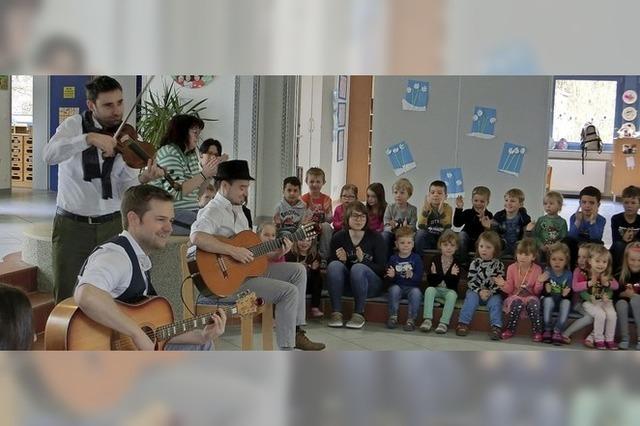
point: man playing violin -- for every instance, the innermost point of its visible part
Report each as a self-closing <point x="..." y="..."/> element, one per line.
<point x="91" y="181"/>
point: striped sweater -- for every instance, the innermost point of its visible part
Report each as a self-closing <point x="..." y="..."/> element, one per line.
<point x="183" y="166"/>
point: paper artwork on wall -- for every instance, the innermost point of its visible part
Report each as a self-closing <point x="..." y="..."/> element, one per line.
<point x="340" y="145"/>
<point x="453" y="179"/>
<point x="629" y="97"/>
<point x="484" y="122"/>
<point x="511" y="159"/>
<point x="342" y="114"/>
<point x="342" y="87"/>
<point x="629" y="113"/>
<point x="400" y="158"/>
<point x="631" y="162"/>
<point x="416" y="97"/>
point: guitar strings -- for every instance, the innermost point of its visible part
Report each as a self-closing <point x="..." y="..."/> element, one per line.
<point x="151" y="334"/>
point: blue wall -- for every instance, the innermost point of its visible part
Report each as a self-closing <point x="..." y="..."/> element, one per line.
<point x="56" y="99"/>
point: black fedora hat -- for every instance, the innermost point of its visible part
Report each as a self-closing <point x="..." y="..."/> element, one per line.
<point x="232" y="170"/>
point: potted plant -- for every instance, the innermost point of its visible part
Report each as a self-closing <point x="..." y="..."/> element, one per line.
<point x="157" y="110"/>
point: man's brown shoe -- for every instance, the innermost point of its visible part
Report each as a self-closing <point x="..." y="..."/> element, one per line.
<point x="304" y="344"/>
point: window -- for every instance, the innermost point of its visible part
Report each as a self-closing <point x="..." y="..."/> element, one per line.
<point x="578" y="101"/>
<point x="21" y="100"/>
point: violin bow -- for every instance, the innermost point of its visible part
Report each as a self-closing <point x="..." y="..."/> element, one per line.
<point x="133" y="107"/>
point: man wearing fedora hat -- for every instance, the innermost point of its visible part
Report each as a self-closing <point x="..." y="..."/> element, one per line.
<point x="284" y="284"/>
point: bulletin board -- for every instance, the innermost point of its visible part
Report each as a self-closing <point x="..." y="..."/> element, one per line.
<point x="626" y="164"/>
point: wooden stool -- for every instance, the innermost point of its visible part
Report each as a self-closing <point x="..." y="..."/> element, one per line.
<point x="190" y="294"/>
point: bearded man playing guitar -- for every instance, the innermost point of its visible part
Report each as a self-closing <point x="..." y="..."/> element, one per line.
<point x="91" y="181"/>
<point x="284" y="284"/>
<point x="120" y="270"/>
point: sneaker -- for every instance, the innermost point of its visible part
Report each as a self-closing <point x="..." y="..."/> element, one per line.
<point x="336" y="320"/>
<point x="547" y="337"/>
<point x="410" y="325"/>
<point x="588" y="343"/>
<point x="495" y="333"/>
<point x="565" y="339"/>
<point x="537" y="337"/>
<point x="356" y="321"/>
<point x="426" y="326"/>
<point x="442" y="328"/>
<point x="462" y="330"/>
<point x="316" y="313"/>
<point x="600" y="345"/>
<point x="506" y="335"/>
<point x="611" y="345"/>
<point x="392" y="322"/>
<point x="557" y="339"/>
<point x="303" y="343"/>
<point x="623" y="345"/>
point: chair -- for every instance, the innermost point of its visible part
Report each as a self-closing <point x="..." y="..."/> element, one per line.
<point x="190" y="295"/>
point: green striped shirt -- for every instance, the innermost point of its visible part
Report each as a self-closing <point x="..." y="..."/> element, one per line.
<point x="183" y="166"/>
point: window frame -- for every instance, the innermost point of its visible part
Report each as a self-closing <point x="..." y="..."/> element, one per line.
<point x="574" y="146"/>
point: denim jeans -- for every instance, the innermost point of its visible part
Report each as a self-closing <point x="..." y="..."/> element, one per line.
<point x="389" y="241"/>
<point x="426" y="240"/>
<point x="585" y="321"/>
<point x="412" y="294"/>
<point x="617" y="254"/>
<point x="465" y="245"/>
<point x="549" y="304"/>
<point x="471" y="302"/>
<point x="622" y="309"/>
<point x="362" y="282"/>
<point x="285" y="286"/>
<point x="324" y="242"/>
<point x="442" y="293"/>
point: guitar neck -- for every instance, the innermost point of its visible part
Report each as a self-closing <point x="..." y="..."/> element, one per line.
<point x="168" y="331"/>
<point x="273" y="245"/>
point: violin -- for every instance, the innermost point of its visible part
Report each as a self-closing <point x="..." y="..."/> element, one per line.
<point x="136" y="153"/>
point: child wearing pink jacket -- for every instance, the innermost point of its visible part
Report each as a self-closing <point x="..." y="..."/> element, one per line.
<point x="523" y="289"/>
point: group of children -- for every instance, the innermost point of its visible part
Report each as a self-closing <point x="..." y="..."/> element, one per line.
<point x="538" y="283"/>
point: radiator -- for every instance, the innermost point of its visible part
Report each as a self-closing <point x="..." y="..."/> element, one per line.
<point x="566" y="175"/>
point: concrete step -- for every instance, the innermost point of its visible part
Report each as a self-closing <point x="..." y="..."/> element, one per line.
<point x="16" y="273"/>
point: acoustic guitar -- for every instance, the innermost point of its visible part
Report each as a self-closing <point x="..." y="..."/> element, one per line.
<point x="220" y="275"/>
<point x="69" y="329"/>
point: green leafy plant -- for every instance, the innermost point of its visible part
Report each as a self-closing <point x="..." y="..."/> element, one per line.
<point x="157" y="110"/>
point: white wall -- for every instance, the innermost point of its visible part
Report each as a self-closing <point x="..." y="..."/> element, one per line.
<point x="338" y="169"/>
<point x="316" y="126"/>
<point x="438" y="137"/>
<point x="5" y="138"/>
<point x="40" y="130"/>
<point x="219" y="105"/>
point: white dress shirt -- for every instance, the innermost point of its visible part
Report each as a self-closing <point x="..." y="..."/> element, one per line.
<point x="75" y="195"/>
<point x="219" y="217"/>
<point x="110" y="268"/>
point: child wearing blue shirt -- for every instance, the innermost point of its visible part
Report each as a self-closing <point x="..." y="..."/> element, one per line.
<point x="586" y="225"/>
<point x="405" y="269"/>
<point x="557" y="279"/>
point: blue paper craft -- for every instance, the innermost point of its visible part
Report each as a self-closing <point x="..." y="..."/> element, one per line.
<point x="484" y="123"/>
<point x="416" y="97"/>
<point x="511" y="159"/>
<point x="400" y="157"/>
<point x="453" y="179"/>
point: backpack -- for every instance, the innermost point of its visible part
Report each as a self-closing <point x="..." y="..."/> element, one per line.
<point x="589" y="141"/>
